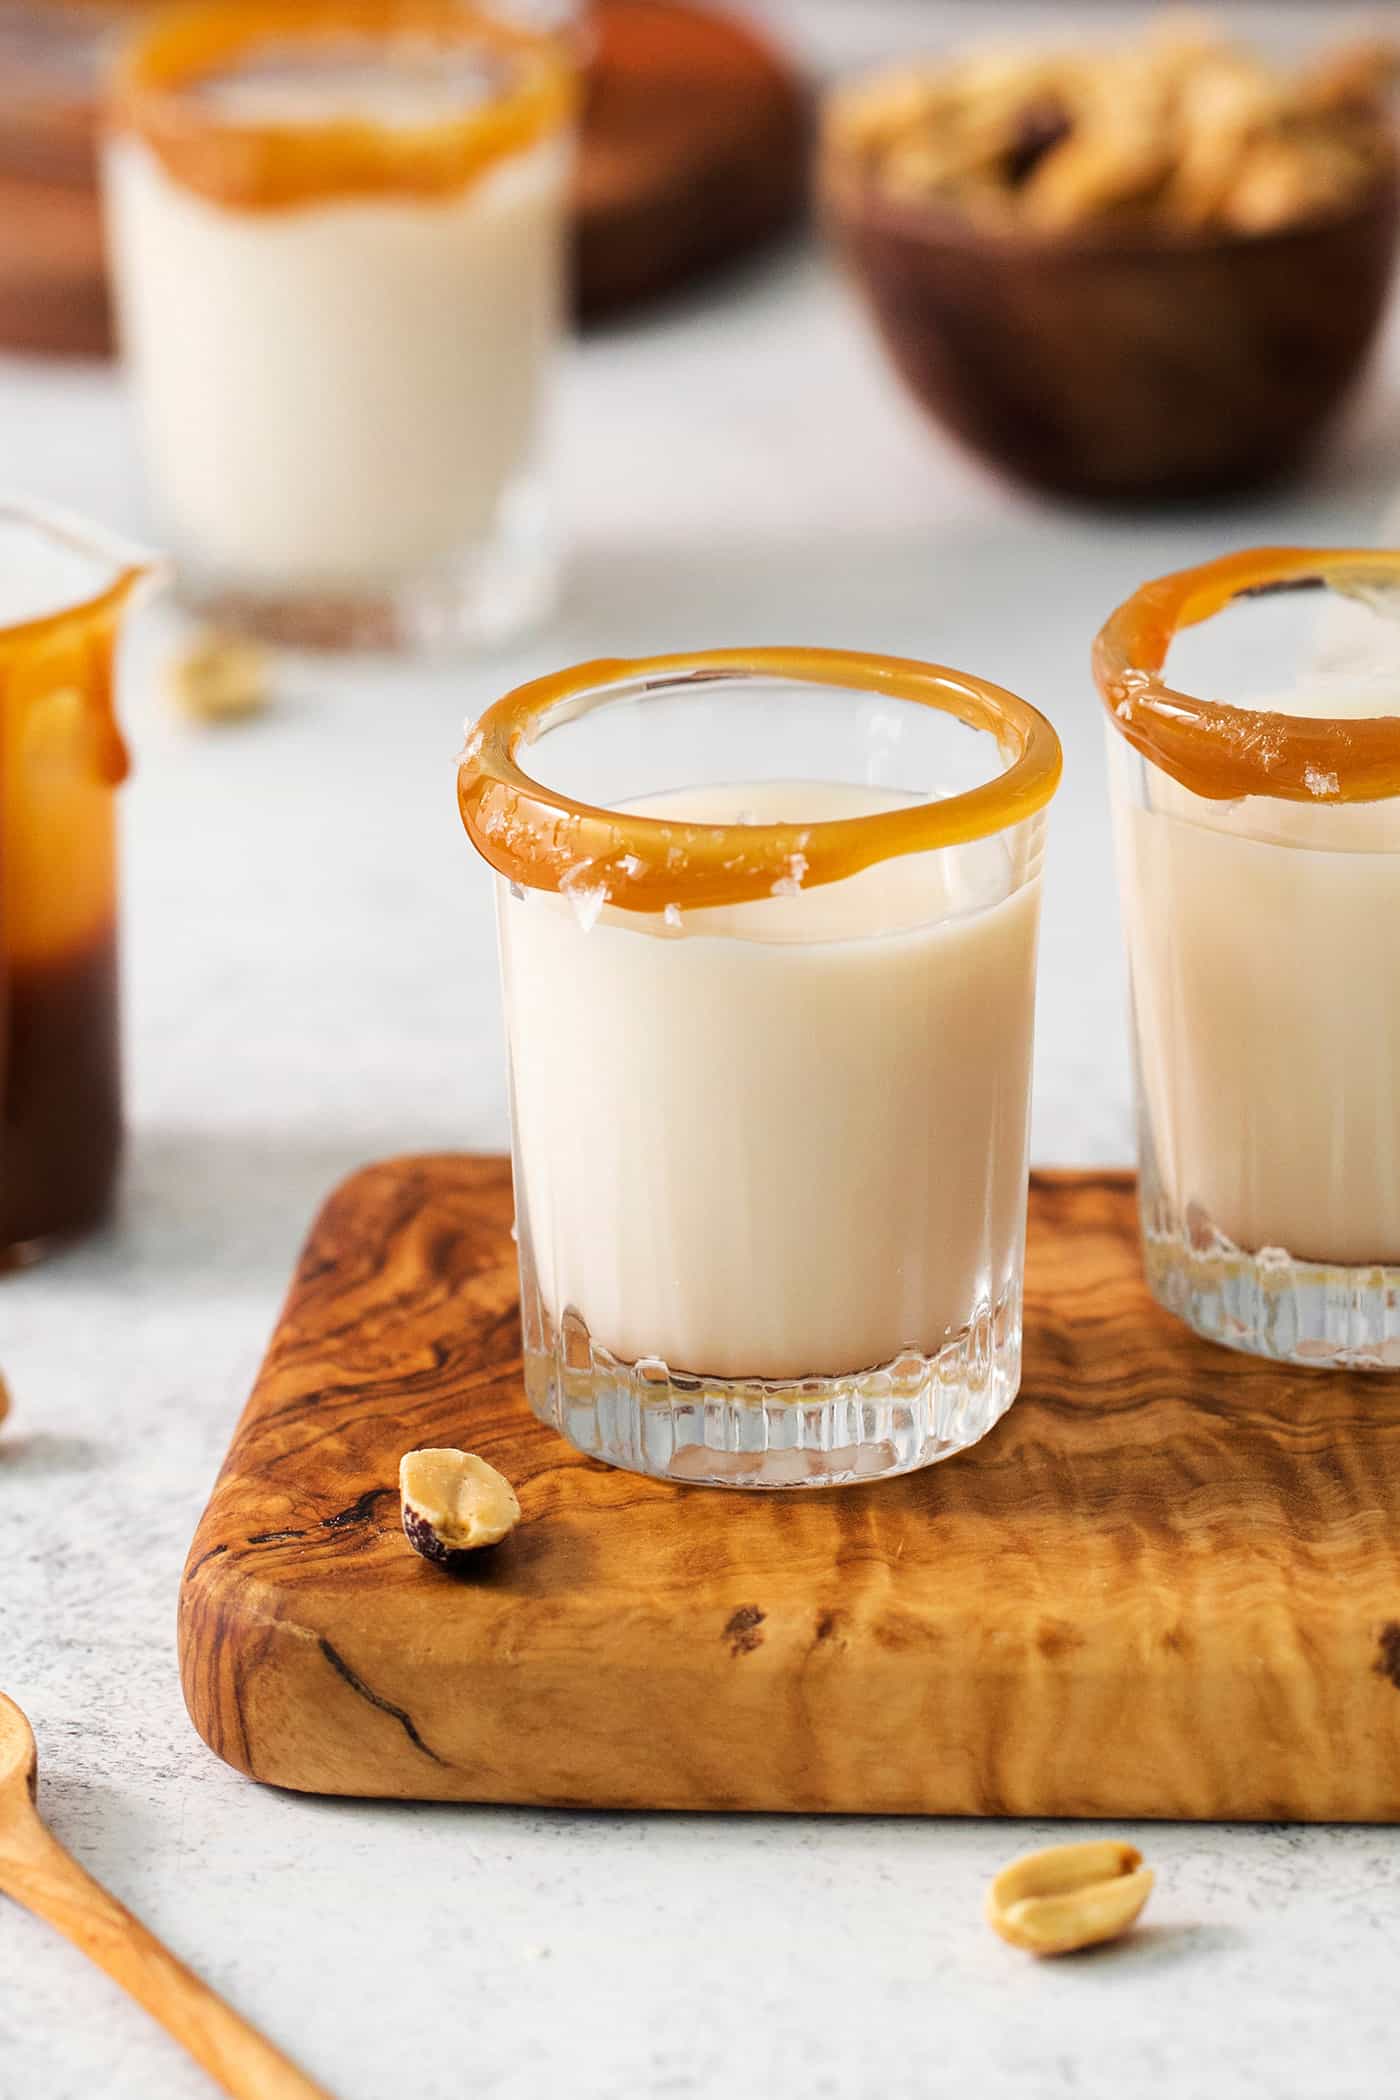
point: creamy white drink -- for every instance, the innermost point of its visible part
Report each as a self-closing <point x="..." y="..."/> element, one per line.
<point x="768" y="925"/>
<point x="338" y="396"/>
<point x="782" y="1138"/>
<point x="1256" y="788"/>
<point x="1265" y="946"/>
<point x="340" y="359"/>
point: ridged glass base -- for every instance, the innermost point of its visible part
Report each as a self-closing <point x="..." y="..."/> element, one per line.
<point x="486" y="596"/>
<point x="781" y="1433"/>
<point x="1269" y="1304"/>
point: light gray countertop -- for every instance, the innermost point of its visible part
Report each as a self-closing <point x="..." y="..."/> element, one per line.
<point x="310" y="983"/>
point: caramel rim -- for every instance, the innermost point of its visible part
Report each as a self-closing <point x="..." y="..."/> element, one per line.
<point x="87" y="624"/>
<point x="544" y="840"/>
<point x="268" y="166"/>
<point x="1222" y="752"/>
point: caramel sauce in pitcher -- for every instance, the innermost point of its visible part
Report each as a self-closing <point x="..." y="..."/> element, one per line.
<point x="60" y="1097"/>
<point x="61" y="760"/>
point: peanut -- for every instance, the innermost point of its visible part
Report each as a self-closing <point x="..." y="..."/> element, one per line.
<point x="454" y="1504"/>
<point x="1179" y="129"/>
<point x="1070" y="1896"/>
<point x="220" y="677"/>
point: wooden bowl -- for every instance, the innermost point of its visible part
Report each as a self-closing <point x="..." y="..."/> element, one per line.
<point x="1118" y="365"/>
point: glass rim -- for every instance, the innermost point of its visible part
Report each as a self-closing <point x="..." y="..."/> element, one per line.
<point x="542" y="839"/>
<point x="130" y="566"/>
<point x="1220" y="751"/>
<point x="260" y="164"/>
<point x="84" y="627"/>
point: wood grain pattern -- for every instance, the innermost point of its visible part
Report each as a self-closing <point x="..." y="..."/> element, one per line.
<point x="1168" y="1584"/>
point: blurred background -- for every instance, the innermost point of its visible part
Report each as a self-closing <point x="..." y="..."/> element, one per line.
<point x="309" y="971"/>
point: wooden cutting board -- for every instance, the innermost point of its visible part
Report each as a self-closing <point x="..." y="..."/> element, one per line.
<point x="1168" y="1584"/>
<point x="53" y="275"/>
<point x="693" y="150"/>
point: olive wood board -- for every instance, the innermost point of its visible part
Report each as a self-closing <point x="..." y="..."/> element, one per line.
<point x="1167" y="1584"/>
<point x="693" y="150"/>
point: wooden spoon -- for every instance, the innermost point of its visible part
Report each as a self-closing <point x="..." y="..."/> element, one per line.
<point x="37" y="1872"/>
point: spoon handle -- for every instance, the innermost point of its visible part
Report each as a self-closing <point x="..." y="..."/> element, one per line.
<point x="49" y="1882"/>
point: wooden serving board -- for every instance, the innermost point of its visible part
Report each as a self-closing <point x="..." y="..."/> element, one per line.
<point x="1168" y="1584"/>
<point x="693" y="150"/>
<point x="53" y="276"/>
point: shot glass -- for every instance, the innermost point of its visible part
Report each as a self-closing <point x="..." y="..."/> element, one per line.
<point x="1258" y="844"/>
<point x="63" y="592"/>
<point x="770" y="1025"/>
<point x="337" y="234"/>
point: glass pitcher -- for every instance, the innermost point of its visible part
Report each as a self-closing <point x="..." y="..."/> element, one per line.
<point x="63" y="593"/>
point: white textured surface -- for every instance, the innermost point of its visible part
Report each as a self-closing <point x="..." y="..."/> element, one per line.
<point x="310" y="983"/>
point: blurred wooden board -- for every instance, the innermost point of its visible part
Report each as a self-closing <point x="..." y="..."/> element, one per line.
<point x="694" y="150"/>
<point x="693" y="153"/>
<point x="53" y="283"/>
<point x="1168" y="1584"/>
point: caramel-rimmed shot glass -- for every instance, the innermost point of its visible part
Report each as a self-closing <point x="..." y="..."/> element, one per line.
<point x="337" y="233"/>
<point x="1258" y="841"/>
<point x="64" y="590"/>
<point x="768" y="924"/>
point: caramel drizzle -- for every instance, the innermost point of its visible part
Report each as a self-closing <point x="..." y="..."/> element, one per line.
<point x="1222" y="752"/>
<point x="75" y="644"/>
<point x="546" y="841"/>
<point x="267" y="166"/>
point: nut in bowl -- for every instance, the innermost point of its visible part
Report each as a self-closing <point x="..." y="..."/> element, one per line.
<point x="1141" y="273"/>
